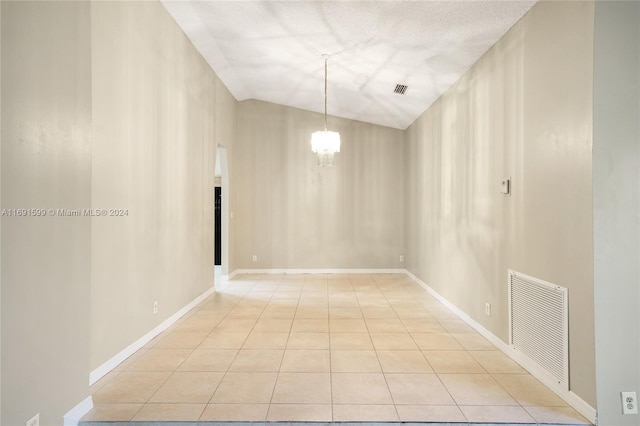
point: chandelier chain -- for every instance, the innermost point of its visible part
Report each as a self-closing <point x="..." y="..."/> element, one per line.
<point x="325" y="94"/>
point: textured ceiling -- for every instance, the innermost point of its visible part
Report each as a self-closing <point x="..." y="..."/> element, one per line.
<point x="272" y="50"/>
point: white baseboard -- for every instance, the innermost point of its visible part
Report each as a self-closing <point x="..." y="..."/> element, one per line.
<point x="230" y="276"/>
<point x="571" y="398"/>
<point x="318" y="271"/>
<point x="105" y="368"/>
<point x="72" y="418"/>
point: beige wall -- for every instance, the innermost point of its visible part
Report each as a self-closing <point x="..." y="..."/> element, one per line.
<point x="46" y="164"/>
<point x="104" y="105"/>
<point x="523" y="111"/>
<point x="0" y="219"/>
<point x="616" y="206"/>
<point x="158" y="112"/>
<point x="295" y="215"/>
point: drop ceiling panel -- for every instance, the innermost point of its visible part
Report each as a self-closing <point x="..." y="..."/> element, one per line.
<point x="272" y="50"/>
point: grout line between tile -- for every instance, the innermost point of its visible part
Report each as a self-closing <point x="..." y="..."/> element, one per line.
<point x="330" y="365"/>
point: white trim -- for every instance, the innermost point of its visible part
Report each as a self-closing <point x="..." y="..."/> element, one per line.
<point x="225" y="216"/>
<point x="571" y="398"/>
<point x="319" y="271"/>
<point x="105" y="368"/>
<point x="73" y="416"/>
<point x="230" y="276"/>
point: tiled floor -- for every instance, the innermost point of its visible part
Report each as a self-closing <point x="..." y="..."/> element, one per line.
<point x="374" y="348"/>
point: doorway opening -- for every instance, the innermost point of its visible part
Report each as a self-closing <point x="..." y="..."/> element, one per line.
<point x="221" y="215"/>
<point x="217" y="247"/>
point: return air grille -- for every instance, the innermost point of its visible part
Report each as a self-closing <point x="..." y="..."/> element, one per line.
<point x="538" y="317"/>
<point x="400" y="89"/>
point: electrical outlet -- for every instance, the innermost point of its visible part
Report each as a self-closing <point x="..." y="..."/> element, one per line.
<point x="401" y="259"/>
<point x="487" y="308"/>
<point x="629" y="402"/>
<point x="255" y="258"/>
<point x="34" y="421"/>
<point x="155" y="307"/>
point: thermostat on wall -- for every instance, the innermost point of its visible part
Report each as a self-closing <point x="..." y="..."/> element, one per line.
<point x="505" y="186"/>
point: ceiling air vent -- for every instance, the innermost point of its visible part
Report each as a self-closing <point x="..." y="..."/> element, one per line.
<point x="400" y="89"/>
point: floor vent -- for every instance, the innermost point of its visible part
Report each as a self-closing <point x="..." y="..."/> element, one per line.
<point x="538" y="324"/>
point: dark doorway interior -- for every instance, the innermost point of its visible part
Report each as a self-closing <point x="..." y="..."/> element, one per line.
<point x="218" y="228"/>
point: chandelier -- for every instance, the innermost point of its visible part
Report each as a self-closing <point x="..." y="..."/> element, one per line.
<point x="323" y="142"/>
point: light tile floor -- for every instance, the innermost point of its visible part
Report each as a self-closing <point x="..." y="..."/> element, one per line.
<point x="322" y="348"/>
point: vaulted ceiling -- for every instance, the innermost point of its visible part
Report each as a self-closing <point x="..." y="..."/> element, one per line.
<point x="272" y="50"/>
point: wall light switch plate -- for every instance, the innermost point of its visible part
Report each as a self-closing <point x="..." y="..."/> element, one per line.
<point x="505" y="186"/>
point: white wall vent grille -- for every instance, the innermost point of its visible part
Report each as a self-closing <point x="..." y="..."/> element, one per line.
<point x="538" y="324"/>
